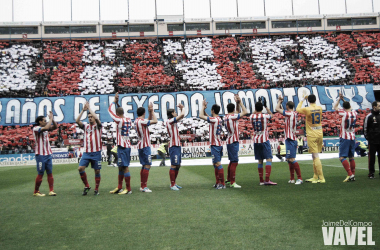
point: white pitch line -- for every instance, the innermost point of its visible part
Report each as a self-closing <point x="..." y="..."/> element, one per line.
<point x="323" y="165"/>
<point x="242" y="160"/>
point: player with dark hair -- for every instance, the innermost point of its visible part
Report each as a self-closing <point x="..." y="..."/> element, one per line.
<point x="231" y="123"/>
<point x="43" y="153"/>
<point x="92" y="148"/>
<point x="261" y="144"/>
<point x="174" y="145"/>
<point x="145" y="153"/>
<point x="123" y="125"/>
<point x="347" y="137"/>
<point x="215" y="126"/>
<point x="372" y="134"/>
<point x="290" y="138"/>
<point x="314" y="135"/>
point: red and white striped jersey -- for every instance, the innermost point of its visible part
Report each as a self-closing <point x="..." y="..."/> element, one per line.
<point x="215" y="130"/>
<point x="231" y="122"/>
<point x="42" y="146"/>
<point x="92" y="138"/>
<point x="347" y="128"/>
<point x="123" y="125"/>
<point x="171" y="126"/>
<point x="290" y="124"/>
<point x="143" y="132"/>
<point x="260" y="127"/>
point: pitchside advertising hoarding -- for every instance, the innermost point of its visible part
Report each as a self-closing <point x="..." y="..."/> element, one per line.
<point x="23" y="111"/>
<point x="189" y="150"/>
<point x="23" y="160"/>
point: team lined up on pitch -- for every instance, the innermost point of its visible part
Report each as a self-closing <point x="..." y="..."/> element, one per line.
<point x="262" y="148"/>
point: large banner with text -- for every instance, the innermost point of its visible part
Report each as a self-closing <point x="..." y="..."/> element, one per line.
<point x="23" y="111"/>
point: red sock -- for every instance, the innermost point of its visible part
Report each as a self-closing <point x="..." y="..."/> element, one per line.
<point x="128" y="182"/>
<point x="176" y="172"/>
<point x="144" y="178"/>
<point x="97" y="182"/>
<point x="233" y="172"/>
<point x="261" y="174"/>
<point x="346" y="166"/>
<point x="38" y="183"/>
<point x="120" y="181"/>
<point x="216" y="172"/>
<point x="291" y="169"/>
<point x="268" y="169"/>
<point x="172" y="176"/>
<point x="221" y="176"/>
<point x="83" y="176"/>
<point x="352" y="166"/>
<point x="51" y="182"/>
<point x="296" y="167"/>
<point x="228" y="172"/>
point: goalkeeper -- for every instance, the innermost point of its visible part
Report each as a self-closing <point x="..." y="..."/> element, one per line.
<point x="314" y="135"/>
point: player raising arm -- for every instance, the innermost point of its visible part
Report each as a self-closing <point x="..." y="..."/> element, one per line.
<point x="92" y="148"/>
<point x="174" y="144"/>
<point x="43" y="153"/>
<point x="145" y="153"/>
<point x="347" y="137"/>
<point x="261" y="144"/>
<point x="290" y="138"/>
<point x="314" y="135"/>
<point x="215" y="126"/>
<point x="231" y="122"/>
<point x="123" y="125"/>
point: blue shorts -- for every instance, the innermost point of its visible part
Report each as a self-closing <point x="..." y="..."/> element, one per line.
<point x="291" y="148"/>
<point x="262" y="151"/>
<point x="175" y="155"/>
<point x="145" y="155"/>
<point x="124" y="156"/>
<point x="217" y="153"/>
<point x="346" y="148"/>
<point x="95" y="158"/>
<point x="44" y="163"/>
<point x="233" y="152"/>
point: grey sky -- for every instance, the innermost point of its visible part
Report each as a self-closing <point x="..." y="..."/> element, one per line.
<point x="88" y="10"/>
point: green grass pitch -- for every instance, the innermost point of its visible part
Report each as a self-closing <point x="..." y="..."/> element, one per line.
<point x="285" y="216"/>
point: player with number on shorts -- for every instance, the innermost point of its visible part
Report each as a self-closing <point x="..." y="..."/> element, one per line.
<point x="314" y="135"/>
<point x="290" y="139"/>
<point x="43" y="153"/>
<point x="145" y="153"/>
<point x="123" y="125"/>
<point x="261" y="144"/>
<point x="92" y="148"/>
<point x="347" y="137"/>
<point x="215" y="125"/>
<point x="174" y="145"/>
<point x="231" y="123"/>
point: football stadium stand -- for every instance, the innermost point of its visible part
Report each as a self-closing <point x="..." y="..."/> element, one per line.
<point x="15" y="139"/>
<point x="59" y="68"/>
